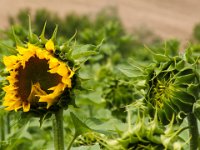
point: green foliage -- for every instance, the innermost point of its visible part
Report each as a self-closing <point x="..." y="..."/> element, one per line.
<point x="131" y="89"/>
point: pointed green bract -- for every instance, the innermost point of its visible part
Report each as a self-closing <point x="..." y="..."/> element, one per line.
<point x="42" y="35"/>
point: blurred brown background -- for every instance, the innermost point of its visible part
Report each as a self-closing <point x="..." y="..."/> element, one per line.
<point x="166" y="18"/>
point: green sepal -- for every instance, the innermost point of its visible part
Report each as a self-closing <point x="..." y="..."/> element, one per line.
<point x="32" y="38"/>
<point x="184" y="96"/>
<point x="168" y="109"/>
<point x="163" y="116"/>
<point x="16" y="38"/>
<point x="193" y="89"/>
<point x="53" y="37"/>
<point x="187" y="107"/>
<point x="189" y="78"/>
<point x="185" y="71"/>
<point x="180" y="65"/>
<point x="42" y="35"/>
<point x="188" y="56"/>
<point x="66" y="99"/>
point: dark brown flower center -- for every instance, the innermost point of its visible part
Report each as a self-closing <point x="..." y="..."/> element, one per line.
<point x="35" y="71"/>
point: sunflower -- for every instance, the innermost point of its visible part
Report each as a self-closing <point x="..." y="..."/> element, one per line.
<point x="36" y="77"/>
<point x="172" y="89"/>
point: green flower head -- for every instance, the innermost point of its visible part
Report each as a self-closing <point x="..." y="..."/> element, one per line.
<point x="172" y="89"/>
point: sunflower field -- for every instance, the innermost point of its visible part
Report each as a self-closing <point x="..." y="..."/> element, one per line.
<point x="78" y="83"/>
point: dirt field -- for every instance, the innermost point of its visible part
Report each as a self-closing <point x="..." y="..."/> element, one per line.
<point x="167" y="18"/>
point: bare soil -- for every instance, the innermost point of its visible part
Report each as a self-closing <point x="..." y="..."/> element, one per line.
<point x="167" y="18"/>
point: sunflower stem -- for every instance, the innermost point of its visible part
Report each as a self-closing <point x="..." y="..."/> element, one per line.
<point x="8" y="123"/>
<point x="193" y="131"/>
<point x="2" y="125"/>
<point x="72" y="141"/>
<point x="58" y="130"/>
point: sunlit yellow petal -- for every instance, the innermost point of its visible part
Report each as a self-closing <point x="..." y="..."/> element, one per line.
<point x="67" y="81"/>
<point x="63" y="70"/>
<point x="22" y="50"/>
<point x="9" y="103"/>
<point x="41" y="54"/>
<point x="26" y="106"/>
<point x="50" y="45"/>
<point x="54" y="70"/>
<point x="49" y="99"/>
<point x="53" y="63"/>
<point x="35" y="92"/>
<point x="10" y="61"/>
<point x="32" y="48"/>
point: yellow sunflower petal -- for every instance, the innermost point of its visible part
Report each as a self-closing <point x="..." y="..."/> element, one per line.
<point x="62" y="70"/>
<point x="49" y="99"/>
<point x="54" y="70"/>
<point x="67" y="81"/>
<point x="25" y="58"/>
<point x="41" y="54"/>
<point x="12" y="77"/>
<point x="10" y="61"/>
<point x="50" y="45"/>
<point x="26" y="106"/>
<point x="9" y="88"/>
<point x="57" y="88"/>
<point x="22" y="50"/>
<point x="32" y="48"/>
<point x="13" y="105"/>
<point x="9" y="103"/>
<point x="35" y="92"/>
<point x="53" y="62"/>
<point x="18" y="106"/>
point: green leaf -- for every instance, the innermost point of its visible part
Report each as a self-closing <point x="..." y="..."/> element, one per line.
<point x="80" y="127"/>
<point x="6" y="48"/>
<point x="188" y="56"/>
<point x="83" y="51"/>
<point x="129" y="71"/>
<point x="180" y="65"/>
<point x="160" y="58"/>
<point x="185" y="79"/>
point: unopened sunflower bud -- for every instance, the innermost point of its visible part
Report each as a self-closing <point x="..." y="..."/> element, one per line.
<point x="172" y="89"/>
